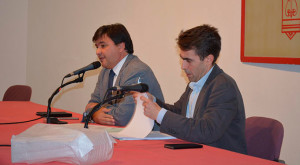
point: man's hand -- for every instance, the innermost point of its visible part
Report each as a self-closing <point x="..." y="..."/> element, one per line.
<point x="137" y="94"/>
<point x="151" y="109"/>
<point x="90" y="106"/>
<point x="101" y="117"/>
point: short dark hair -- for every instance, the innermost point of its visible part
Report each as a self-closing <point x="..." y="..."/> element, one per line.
<point x="118" y="33"/>
<point x="205" y="40"/>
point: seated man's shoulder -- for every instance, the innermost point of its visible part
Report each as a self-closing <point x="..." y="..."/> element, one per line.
<point x="136" y="65"/>
<point x="223" y="79"/>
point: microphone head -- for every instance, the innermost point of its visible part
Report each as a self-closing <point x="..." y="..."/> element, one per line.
<point x="96" y="64"/>
<point x="144" y="87"/>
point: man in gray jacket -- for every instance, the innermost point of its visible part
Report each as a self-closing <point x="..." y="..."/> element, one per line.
<point x="115" y="52"/>
<point x="211" y="110"/>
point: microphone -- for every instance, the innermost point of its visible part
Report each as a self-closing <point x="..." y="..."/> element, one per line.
<point x="136" y="87"/>
<point x="91" y="66"/>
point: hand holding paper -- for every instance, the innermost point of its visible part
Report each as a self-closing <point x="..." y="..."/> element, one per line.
<point x="140" y="125"/>
<point x="151" y="109"/>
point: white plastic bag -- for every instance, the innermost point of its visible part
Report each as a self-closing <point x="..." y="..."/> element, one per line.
<point x="70" y="143"/>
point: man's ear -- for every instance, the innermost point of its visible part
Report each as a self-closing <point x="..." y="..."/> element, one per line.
<point x="209" y="58"/>
<point x="121" y="46"/>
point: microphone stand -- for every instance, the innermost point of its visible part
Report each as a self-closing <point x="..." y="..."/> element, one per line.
<point x="119" y="96"/>
<point x="54" y="120"/>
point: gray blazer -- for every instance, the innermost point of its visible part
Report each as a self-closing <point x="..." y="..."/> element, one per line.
<point x="219" y="116"/>
<point x="132" y="72"/>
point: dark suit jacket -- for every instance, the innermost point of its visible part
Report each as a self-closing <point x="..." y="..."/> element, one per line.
<point x="132" y="72"/>
<point x="219" y="116"/>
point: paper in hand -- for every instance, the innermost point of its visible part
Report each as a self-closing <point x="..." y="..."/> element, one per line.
<point x="139" y="126"/>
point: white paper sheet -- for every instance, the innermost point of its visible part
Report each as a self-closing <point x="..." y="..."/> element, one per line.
<point x="139" y="126"/>
<point x="153" y="135"/>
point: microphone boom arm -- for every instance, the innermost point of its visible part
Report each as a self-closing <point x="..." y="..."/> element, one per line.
<point x="119" y="96"/>
<point x="54" y="120"/>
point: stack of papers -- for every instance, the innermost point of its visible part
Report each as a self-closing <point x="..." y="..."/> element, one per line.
<point x="153" y="135"/>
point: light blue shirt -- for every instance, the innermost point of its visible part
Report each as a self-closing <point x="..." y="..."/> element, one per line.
<point x="196" y="87"/>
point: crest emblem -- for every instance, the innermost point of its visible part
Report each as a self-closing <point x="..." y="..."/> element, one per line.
<point x="290" y="18"/>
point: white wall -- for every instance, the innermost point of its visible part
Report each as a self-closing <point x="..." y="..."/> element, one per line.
<point x="13" y="43"/>
<point x="59" y="41"/>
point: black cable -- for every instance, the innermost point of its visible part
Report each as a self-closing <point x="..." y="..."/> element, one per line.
<point x="21" y="121"/>
<point x="62" y="82"/>
<point x="5" y="145"/>
<point x="8" y="145"/>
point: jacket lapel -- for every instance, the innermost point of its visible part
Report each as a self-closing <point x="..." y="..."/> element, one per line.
<point x="186" y="101"/>
<point x="201" y="98"/>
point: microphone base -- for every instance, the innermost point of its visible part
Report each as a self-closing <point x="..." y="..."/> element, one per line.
<point x="54" y="120"/>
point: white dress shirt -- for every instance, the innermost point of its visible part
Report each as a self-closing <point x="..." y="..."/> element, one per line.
<point x="118" y="67"/>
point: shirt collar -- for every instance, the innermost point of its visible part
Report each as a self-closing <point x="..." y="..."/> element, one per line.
<point x="199" y="84"/>
<point x="118" y="67"/>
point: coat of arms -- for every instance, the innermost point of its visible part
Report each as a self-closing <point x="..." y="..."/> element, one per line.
<point x="290" y="18"/>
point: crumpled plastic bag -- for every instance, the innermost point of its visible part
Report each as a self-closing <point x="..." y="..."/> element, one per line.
<point x="69" y="143"/>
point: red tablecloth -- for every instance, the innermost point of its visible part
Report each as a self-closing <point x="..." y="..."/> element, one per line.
<point x="140" y="152"/>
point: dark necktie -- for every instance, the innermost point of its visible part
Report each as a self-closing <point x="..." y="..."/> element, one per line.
<point x="110" y="82"/>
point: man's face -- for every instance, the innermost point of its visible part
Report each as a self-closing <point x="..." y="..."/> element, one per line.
<point x="193" y="67"/>
<point x="108" y="53"/>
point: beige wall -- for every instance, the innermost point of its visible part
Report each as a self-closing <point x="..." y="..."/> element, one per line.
<point x="13" y="43"/>
<point x="59" y="41"/>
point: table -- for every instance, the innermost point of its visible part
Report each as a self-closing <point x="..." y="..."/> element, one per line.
<point x="125" y="152"/>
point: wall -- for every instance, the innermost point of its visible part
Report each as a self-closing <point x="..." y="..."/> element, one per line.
<point x="13" y="43"/>
<point x="59" y="42"/>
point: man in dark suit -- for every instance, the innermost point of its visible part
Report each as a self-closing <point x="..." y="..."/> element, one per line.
<point x="211" y="110"/>
<point x="114" y="50"/>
